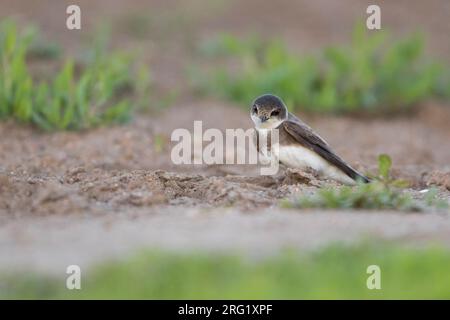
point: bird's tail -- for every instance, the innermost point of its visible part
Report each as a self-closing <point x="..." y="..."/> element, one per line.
<point x="355" y="175"/>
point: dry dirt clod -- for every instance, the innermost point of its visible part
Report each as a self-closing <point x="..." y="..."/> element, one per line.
<point x="4" y="183"/>
<point x="295" y="176"/>
<point x="439" y="178"/>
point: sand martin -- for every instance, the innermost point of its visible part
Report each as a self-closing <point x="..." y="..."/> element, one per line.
<point x="299" y="146"/>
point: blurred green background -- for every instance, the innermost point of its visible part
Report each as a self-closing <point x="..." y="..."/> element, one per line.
<point x="318" y="56"/>
<point x="336" y="272"/>
<point x="139" y="57"/>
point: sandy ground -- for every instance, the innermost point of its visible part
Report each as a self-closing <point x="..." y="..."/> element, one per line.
<point x="51" y="244"/>
<point x="70" y="198"/>
<point x="79" y="198"/>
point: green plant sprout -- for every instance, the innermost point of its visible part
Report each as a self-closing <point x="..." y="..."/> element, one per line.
<point x="383" y="193"/>
<point x="370" y="76"/>
<point x="103" y="91"/>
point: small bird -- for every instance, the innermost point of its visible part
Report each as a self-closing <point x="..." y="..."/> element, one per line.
<point x="299" y="146"/>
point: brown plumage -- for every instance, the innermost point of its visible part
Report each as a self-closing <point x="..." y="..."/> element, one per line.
<point x="300" y="146"/>
<point x="292" y="133"/>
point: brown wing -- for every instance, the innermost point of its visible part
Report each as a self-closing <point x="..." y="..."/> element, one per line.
<point x="307" y="138"/>
<point x="305" y="127"/>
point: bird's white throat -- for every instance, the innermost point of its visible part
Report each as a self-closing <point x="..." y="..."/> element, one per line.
<point x="268" y="124"/>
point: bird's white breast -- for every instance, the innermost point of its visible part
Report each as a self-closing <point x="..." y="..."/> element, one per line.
<point x="301" y="158"/>
<point x="296" y="156"/>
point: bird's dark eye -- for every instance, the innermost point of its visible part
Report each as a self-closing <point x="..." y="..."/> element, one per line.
<point x="275" y="113"/>
<point x="255" y="108"/>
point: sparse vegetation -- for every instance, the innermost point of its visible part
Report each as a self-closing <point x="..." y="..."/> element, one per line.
<point x="374" y="74"/>
<point x="365" y="196"/>
<point x="43" y="49"/>
<point x="382" y="193"/>
<point x="101" y="91"/>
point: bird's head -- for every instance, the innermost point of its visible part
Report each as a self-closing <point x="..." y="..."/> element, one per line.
<point x="268" y="112"/>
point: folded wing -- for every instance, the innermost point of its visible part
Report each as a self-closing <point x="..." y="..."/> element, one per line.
<point x="308" y="139"/>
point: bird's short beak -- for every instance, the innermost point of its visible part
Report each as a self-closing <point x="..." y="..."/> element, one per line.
<point x="263" y="118"/>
